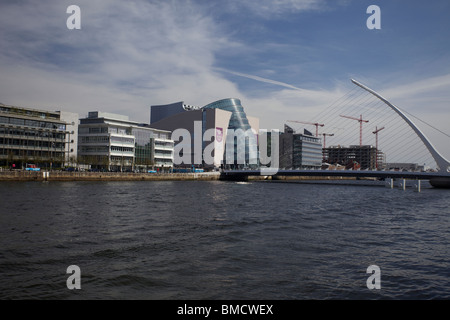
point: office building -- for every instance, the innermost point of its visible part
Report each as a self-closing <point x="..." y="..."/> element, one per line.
<point x="40" y="137"/>
<point x="112" y="142"/>
<point x="228" y="121"/>
<point x="71" y="150"/>
<point x="299" y="151"/>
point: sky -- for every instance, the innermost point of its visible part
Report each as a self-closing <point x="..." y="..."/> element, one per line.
<point x="284" y="59"/>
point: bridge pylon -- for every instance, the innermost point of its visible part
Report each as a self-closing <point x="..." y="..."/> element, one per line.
<point x="442" y="163"/>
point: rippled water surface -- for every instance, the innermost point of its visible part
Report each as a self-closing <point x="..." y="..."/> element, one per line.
<point x="222" y="240"/>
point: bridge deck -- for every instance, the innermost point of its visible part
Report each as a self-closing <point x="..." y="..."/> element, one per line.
<point x="341" y="173"/>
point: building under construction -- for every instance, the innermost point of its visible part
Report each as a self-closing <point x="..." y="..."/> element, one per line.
<point x="354" y="157"/>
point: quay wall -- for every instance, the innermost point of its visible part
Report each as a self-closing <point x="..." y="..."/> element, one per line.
<point x="19" y="175"/>
<point x="104" y="176"/>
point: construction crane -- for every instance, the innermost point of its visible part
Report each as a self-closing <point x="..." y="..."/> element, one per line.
<point x="376" y="141"/>
<point x="376" y="135"/>
<point x="325" y="137"/>
<point x="311" y="123"/>
<point x="360" y="125"/>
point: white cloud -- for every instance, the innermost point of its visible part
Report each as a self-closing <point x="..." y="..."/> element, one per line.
<point x="126" y="56"/>
<point x="261" y="79"/>
<point x="417" y="93"/>
<point x="276" y="8"/>
<point x="278" y="106"/>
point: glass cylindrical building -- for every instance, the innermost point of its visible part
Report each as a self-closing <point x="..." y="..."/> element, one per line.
<point x="238" y="121"/>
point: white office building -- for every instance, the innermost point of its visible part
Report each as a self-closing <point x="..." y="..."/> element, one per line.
<point x="112" y="142"/>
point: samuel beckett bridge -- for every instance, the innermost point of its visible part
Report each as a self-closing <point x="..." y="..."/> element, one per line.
<point x="364" y="122"/>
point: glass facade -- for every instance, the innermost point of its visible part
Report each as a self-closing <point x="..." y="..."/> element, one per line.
<point x="307" y="152"/>
<point x="299" y="151"/>
<point x="238" y="121"/>
<point x="33" y="123"/>
<point x="28" y="135"/>
<point x="143" y="147"/>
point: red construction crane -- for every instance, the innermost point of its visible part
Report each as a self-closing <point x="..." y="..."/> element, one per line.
<point x="325" y="137"/>
<point x="376" y="135"/>
<point x="312" y="123"/>
<point x="376" y="140"/>
<point x="360" y="125"/>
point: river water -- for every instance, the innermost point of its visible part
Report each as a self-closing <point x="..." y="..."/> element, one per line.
<point x="222" y="240"/>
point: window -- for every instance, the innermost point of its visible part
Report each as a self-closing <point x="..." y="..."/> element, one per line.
<point x="112" y="130"/>
<point x="121" y="149"/>
<point x="32" y="123"/>
<point x="15" y="121"/>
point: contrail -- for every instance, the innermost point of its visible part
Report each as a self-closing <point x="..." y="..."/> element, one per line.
<point x="249" y="76"/>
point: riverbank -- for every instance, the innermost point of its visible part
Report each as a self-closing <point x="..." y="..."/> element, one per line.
<point x="130" y="176"/>
<point x="104" y="176"/>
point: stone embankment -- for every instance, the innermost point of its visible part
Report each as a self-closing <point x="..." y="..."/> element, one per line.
<point x="19" y="175"/>
<point x="104" y="176"/>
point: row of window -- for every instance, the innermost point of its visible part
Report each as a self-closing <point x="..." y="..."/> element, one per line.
<point x="162" y="135"/>
<point x="5" y="143"/>
<point x="33" y="123"/>
<point x="32" y="133"/>
<point x="105" y="149"/>
<point x="105" y="139"/>
<point x="164" y="153"/>
<point x="121" y="149"/>
<point x="95" y="149"/>
<point x="307" y="138"/>
<point x="166" y="162"/>
<point x="29" y="113"/>
<point x="31" y="153"/>
<point x="163" y="144"/>
<point x="119" y="130"/>
<point x="94" y="139"/>
<point x="305" y="148"/>
<point x="121" y="159"/>
<point x="115" y="139"/>
<point x="94" y="130"/>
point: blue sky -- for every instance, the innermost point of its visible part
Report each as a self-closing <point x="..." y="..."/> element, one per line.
<point x="285" y="59"/>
